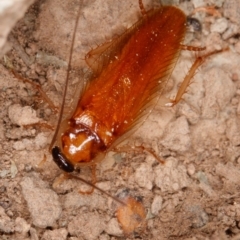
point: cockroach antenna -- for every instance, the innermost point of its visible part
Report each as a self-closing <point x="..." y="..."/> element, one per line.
<point x="67" y="78"/>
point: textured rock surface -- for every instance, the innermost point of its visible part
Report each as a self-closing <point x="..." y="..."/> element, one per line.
<point x="10" y="12"/>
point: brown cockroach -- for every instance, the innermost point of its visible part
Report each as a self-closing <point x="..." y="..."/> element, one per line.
<point x="129" y="75"/>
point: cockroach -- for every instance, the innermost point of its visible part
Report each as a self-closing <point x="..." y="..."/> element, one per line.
<point x="129" y="75"/>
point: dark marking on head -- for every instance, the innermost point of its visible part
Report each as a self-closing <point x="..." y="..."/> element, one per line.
<point x="61" y="160"/>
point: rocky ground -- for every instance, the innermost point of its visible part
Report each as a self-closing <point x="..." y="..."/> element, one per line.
<point x="194" y="195"/>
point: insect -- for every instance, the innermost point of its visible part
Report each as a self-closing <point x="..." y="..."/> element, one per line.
<point x="129" y="75"/>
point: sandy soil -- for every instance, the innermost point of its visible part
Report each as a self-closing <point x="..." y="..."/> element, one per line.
<point x="194" y="195"/>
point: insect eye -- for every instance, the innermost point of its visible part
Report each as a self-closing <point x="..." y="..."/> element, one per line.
<point x="61" y="160"/>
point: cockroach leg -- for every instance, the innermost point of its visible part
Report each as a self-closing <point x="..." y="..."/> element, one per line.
<point x="67" y="169"/>
<point x="140" y="149"/>
<point x="41" y="124"/>
<point x="192" y="48"/>
<point x="94" y="180"/>
<point x="68" y="176"/>
<point x="39" y="89"/>
<point x="187" y="80"/>
<point x="64" y="176"/>
<point x="152" y="152"/>
<point x="43" y="161"/>
<point x="209" y="9"/>
<point x="143" y="10"/>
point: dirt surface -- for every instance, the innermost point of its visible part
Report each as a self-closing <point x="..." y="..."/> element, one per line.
<point x="194" y="195"/>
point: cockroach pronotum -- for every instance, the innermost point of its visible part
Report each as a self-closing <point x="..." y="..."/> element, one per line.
<point x="128" y="76"/>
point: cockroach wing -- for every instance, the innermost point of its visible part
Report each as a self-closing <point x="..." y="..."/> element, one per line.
<point x="98" y="58"/>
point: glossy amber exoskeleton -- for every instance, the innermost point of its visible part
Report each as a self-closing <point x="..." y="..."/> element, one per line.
<point x="128" y="74"/>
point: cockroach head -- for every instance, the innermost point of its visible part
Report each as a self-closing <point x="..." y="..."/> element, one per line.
<point x="61" y="160"/>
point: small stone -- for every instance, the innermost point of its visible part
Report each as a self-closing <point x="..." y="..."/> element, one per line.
<point x="33" y="234"/>
<point x="231" y="10"/>
<point x="199" y="217"/>
<point x="171" y="176"/>
<point x="87" y="225"/>
<point x="232" y="30"/>
<point x="41" y="141"/>
<point x="219" y="26"/>
<point x="191" y="114"/>
<point x="198" y="3"/>
<point x="156" y="205"/>
<point x="214" y="41"/>
<point x="22" y="115"/>
<point x="6" y="224"/>
<point x="144" y="176"/>
<point x="21" y="226"/>
<point x="76" y="200"/>
<point x="233" y="131"/>
<point x="216" y="81"/>
<point x="103" y="236"/>
<point x="176" y="137"/>
<point x="43" y="203"/>
<point x="113" y="228"/>
<point x="229" y="172"/>
<point x="191" y="169"/>
<point x="57" y="234"/>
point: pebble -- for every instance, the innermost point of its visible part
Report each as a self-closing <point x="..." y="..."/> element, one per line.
<point x="233" y="131"/>
<point x="43" y="203"/>
<point x="219" y="26"/>
<point x="33" y="234"/>
<point x="113" y="228"/>
<point x="229" y="172"/>
<point x="231" y="10"/>
<point x="191" y="169"/>
<point x="56" y="234"/>
<point x="156" y="205"/>
<point x="171" y="176"/>
<point x="199" y="217"/>
<point x="21" y="226"/>
<point x="144" y="176"/>
<point x="6" y="224"/>
<point x="216" y="81"/>
<point x="198" y="3"/>
<point x="22" y="115"/>
<point x="87" y="225"/>
<point x="176" y="136"/>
